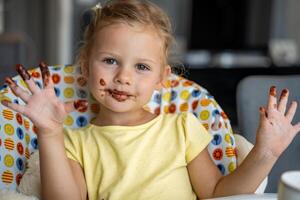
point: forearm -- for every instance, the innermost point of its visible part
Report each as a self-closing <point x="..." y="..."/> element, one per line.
<point x="248" y="176"/>
<point x="56" y="174"/>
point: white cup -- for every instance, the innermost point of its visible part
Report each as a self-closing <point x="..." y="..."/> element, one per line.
<point x="289" y="186"/>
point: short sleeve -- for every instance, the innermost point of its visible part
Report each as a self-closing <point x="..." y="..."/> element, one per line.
<point x="196" y="136"/>
<point x="73" y="145"/>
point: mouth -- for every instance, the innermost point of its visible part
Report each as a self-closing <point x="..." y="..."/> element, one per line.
<point x="119" y="95"/>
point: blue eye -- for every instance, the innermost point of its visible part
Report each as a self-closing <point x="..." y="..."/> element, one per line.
<point x="142" y="67"/>
<point x="110" y="61"/>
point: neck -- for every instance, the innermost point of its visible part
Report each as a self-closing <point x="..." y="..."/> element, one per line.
<point x="107" y="117"/>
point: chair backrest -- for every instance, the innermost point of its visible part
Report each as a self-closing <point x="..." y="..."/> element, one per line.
<point x="252" y="92"/>
<point x="18" y="138"/>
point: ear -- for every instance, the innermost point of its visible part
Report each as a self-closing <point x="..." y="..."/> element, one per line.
<point x="164" y="76"/>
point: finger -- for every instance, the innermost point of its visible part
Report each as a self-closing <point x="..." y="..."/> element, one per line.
<point x="263" y="113"/>
<point x="46" y="75"/>
<point x="272" y="102"/>
<point x="283" y="100"/>
<point x="17" y="90"/>
<point x="291" y="111"/>
<point x="80" y="105"/>
<point x="27" y="78"/>
<point x="16" y="107"/>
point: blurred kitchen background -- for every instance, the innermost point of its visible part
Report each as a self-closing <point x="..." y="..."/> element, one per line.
<point x="219" y="41"/>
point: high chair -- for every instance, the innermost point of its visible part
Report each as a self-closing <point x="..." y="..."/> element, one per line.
<point x="18" y="134"/>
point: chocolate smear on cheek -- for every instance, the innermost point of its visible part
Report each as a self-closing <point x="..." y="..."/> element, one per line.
<point x="102" y="82"/>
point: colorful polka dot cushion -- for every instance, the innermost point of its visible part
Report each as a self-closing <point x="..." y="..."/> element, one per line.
<point x="18" y="138"/>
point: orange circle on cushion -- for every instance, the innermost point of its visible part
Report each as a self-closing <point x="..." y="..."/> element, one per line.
<point x="26" y="124"/>
<point x="205" y="102"/>
<point x="184" y="107"/>
<point x="19" y="118"/>
<point x="7" y="177"/>
<point x="69" y="79"/>
<point x="223" y="114"/>
<point x="56" y="78"/>
<point x="172" y="108"/>
<point x="8" y="114"/>
<point x="20" y="148"/>
<point x="174" y="83"/>
<point x="35" y="74"/>
<point x="9" y="144"/>
<point x="18" y="178"/>
<point x="195" y="104"/>
<point x="218" y="154"/>
<point x="187" y="83"/>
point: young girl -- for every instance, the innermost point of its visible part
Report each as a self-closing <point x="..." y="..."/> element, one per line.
<point x="127" y="152"/>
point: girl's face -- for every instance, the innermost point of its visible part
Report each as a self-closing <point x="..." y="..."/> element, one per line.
<point x="125" y="66"/>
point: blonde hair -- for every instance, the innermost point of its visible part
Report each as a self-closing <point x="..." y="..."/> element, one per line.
<point x="131" y="12"/>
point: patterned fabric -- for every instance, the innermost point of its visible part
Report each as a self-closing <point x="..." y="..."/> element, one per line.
<point x="18" y="138"/>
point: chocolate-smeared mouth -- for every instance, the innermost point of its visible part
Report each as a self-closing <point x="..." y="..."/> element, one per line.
<point x="119" y="95"/>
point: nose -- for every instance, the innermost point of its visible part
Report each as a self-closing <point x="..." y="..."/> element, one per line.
<point x="123" y="76"/>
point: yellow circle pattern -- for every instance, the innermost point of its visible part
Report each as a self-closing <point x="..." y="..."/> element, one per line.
<point x="9" y="129"/>
<point x="69" y="92"/>
<point x="204" y="115"/>
<point x="8" y="160"/>
<point x="185" y="94"/>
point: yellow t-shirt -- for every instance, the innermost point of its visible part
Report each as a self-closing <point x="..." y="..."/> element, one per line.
<point x="146" y="161"/>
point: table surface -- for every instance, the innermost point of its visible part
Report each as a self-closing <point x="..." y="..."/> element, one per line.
<point x="266" y="196"/>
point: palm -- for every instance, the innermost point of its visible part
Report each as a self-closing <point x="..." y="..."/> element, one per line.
<point x="44" y="109"/>
<point x="275" y="130"/>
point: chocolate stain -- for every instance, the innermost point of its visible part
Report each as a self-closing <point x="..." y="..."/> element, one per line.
<point x="273" y="91"/>
<point x="23" y="72"/>
<point x="102" y="82"/>
<point x="45" y="72"/>
<point x="10" y="82"/>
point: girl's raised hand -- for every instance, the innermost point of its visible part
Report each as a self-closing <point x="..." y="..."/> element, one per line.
<point x="276" y="131"/>
<point x="42" y="107"/>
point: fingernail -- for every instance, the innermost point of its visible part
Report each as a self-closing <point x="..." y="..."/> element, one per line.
<point x="5" y="102"/>
<point x="23" y="72"/>
<point x="273" y="91"/>
<point x="81" y="105"/>
<point x="10" y="82"/>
